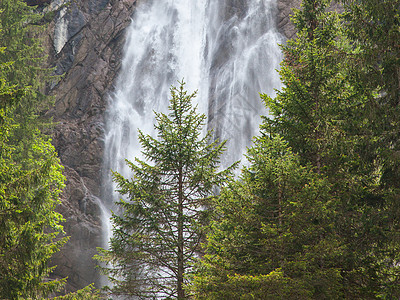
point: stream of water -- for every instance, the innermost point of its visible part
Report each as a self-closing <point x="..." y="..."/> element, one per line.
<point x="227" y="49"/>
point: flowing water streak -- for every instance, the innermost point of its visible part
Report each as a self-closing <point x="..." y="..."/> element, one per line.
<point x="241" y="57"/>
<point x="225" y="48"/>
<point x="164" y="44"/>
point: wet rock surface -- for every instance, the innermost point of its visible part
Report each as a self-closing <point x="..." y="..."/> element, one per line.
<point x="84" y="43"/>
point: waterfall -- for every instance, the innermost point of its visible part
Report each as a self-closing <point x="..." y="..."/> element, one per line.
<point x="241" y="57"/>
<point x="227" y="49"/>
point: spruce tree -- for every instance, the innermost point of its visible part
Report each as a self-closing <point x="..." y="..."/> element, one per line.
<point x="271" y="234"/>
<point x="30" y="172"/>
<point x="373" y="28"/>
<point x="325" y="115"/>
<point x="29" y="224"/>
<point x="349" y="248"/>
<point x="314" y="103"/>
<point x="21" y="35"/>
<point x="156" y="238"/>
<point x="30" y="182"/>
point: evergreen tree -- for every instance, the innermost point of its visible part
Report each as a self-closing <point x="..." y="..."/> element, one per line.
<point x="30" y="172"/>
<point x="156" y="238"/>
<point x="271" y="233"/>
<point x="20" y="34"/>
<point x="349" y="248"/>
<point x="324" y="114"/>
<point x="29" y="225"/>
<point x="87" y="293"/>
<point x="374" y="28"/>
<point x="313" y="106"/>
<point x="30" y="182"/>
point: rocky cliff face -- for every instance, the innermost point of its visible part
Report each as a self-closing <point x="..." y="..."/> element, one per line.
<point x="84" y="43"/>
<point x="285" y="10"/>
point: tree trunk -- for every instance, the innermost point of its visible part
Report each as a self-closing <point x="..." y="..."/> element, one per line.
<point x="181" y="292"/>
<point x="280" y="206"/>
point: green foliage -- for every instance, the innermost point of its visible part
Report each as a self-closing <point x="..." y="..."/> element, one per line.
<point x="374" y="27"/>
<point x="271" y="233"/>
<point x="271" y="286"/>
<point x="30" y="182"/>
<point x="156" y="238"/>
<point x="322" y="210"/>
<point x="21" y="36"/>
<point x="314" y="110"/>
<point x="325" y="113"/>
<point x="87" y="293"/>
<point x="30" y="173"/>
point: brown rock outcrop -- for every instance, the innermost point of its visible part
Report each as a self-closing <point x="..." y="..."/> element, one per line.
<point x="85" y="43"/>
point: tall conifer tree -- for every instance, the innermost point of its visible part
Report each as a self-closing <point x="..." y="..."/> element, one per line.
<point x="374" y="28"/>
<point x="30" y="172"/>
<point x="271" y="235"/>
<point x="324" y="114"/>
<point x="156" y="239"/>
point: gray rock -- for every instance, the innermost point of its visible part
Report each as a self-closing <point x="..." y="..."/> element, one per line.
<point x="285" y="11"/>
<point x="88" y="37"/>
<point x="69" y="21"/>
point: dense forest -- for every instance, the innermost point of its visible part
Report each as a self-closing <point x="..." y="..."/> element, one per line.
<point x="314" y="213"/>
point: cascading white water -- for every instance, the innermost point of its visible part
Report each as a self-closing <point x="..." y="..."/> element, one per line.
<point x="225" y="48"/>
<point x="164" y="44"/>
<point x="241" y="56"/>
